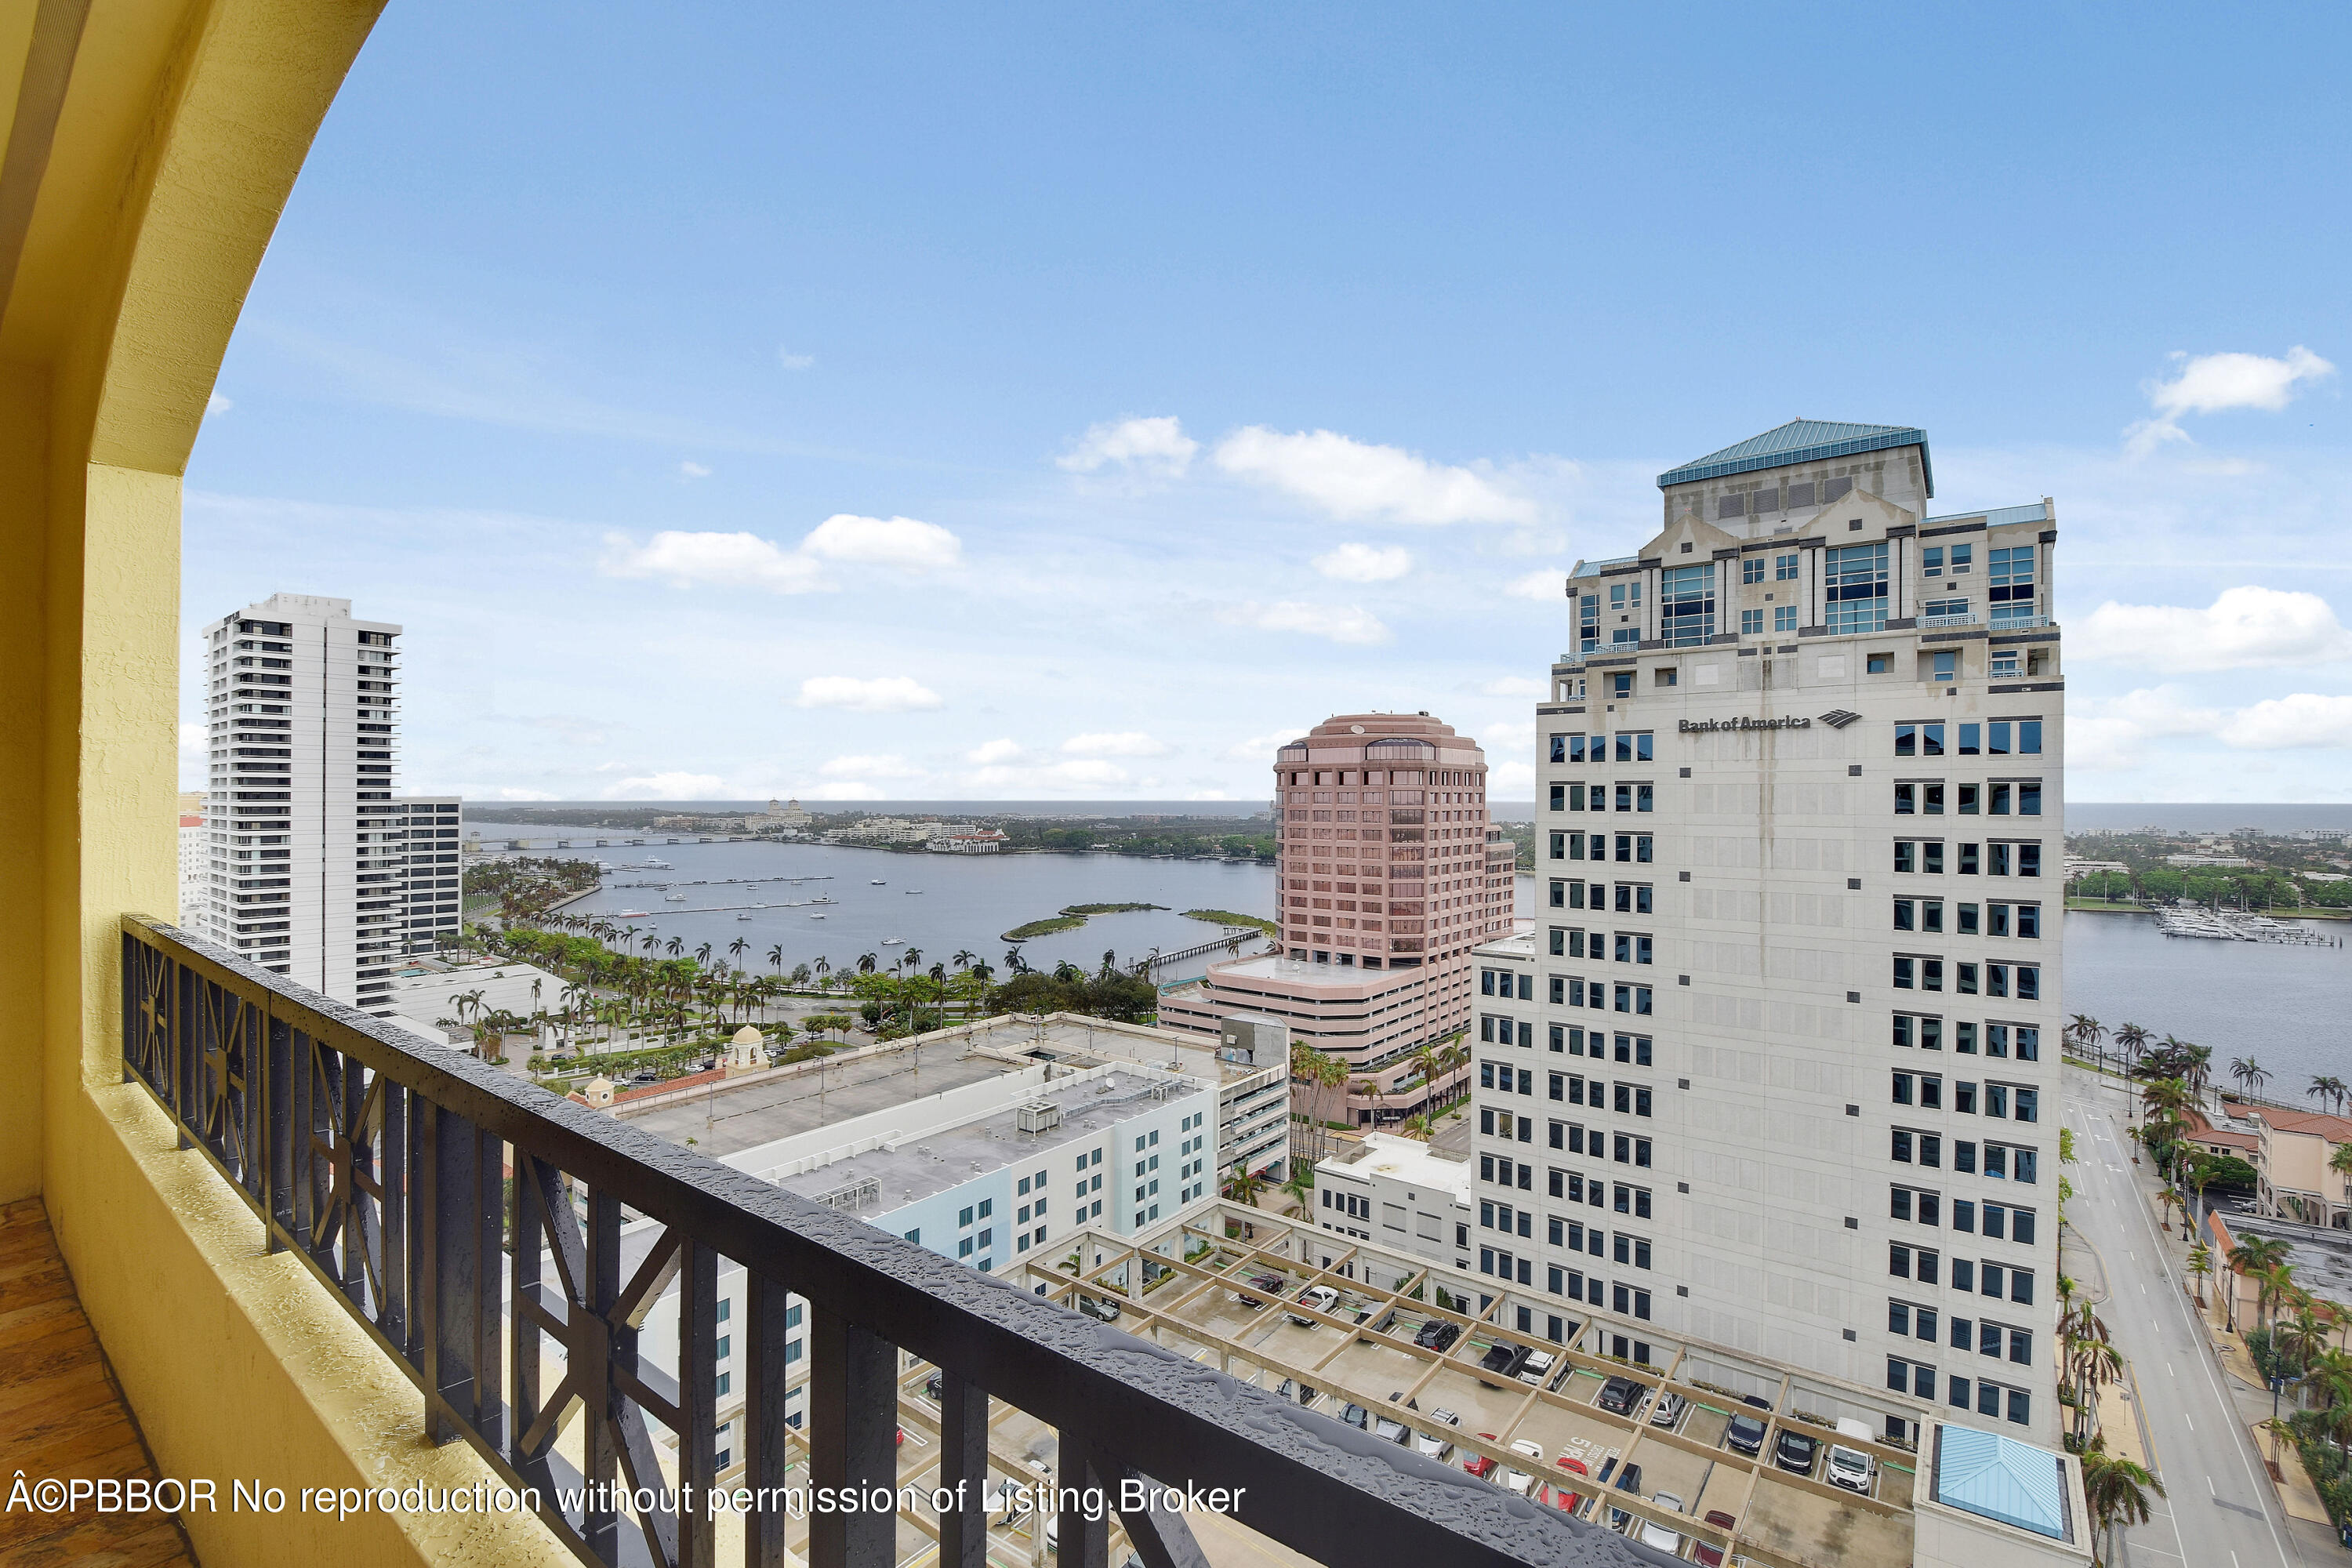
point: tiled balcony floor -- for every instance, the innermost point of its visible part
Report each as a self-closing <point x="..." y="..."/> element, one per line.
<point x="61" y="1414"/>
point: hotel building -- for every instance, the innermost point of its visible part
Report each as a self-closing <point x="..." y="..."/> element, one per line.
<point x="1389" y="874"/>
<point x="1777" y="1067"/>
<point x="314" y="869"/>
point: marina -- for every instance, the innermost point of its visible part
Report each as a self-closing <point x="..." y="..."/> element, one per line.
<point x="2232" y="925"/>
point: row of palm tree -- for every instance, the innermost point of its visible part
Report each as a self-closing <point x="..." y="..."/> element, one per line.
<point x="1438" y="1062"/>
<point x="2145" y="1055"/>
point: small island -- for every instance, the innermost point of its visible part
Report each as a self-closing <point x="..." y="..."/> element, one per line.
<point x="1071" y="917"/>
<point x="1228" y="917"/>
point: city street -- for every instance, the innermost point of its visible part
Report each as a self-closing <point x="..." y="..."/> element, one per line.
<point x="2222" y="1510"/>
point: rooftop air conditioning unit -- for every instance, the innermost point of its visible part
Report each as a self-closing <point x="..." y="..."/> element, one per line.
<point x="1038" y="1116"/>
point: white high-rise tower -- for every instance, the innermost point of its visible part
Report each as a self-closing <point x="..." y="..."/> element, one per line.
<point x="308" y="864"/>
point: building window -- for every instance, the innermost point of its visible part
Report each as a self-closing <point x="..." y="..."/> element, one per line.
<point x="1854" y="584"/>
<point x="1751" y="569"/>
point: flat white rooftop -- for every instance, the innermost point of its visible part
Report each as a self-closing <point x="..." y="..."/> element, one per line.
<point x="1409" y="1160"/>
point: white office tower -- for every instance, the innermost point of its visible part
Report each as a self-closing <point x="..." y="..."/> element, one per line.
<point x="1792" y="1085"/>
<point x="309" y="870"/>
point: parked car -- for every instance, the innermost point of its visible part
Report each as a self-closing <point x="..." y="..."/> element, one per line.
<point x="1618" y="1394"/>
<point x="1853" y="1469"/>
<point x="932" y="1386"/>
<point x="1757" y="1400"/>
<point x="1745" y="1435"/>
<point x="1537" y="1367"/>
<point x="1519" y="1480"/>
<point x="1316" y="1298"/>
<point x="1392" y="1428"/>
<point x="1794" y="1452"/>
<point x="1356" y="1415"/>
<point x="1566" y="1498"/>
<point x="1502" y="1361"/>
<point x="1264" y="1286"/>
<point x="1436" y="1444"/>
<point x="1480" y="1465"/>
<point x="1669" y="1410"/>
<point x="1629" y="1479"/>
<point x="1437" y="1335"/>
<point x="1101" y="1310"/>
<point x="1708" y="1556"/>
<point x="1658" y="1535"/>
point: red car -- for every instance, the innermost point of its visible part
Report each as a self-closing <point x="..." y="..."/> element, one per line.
<point x="1565" y="1499"/>
<point x="1480" y="1465"/>
<point x="1708" y="1556"/>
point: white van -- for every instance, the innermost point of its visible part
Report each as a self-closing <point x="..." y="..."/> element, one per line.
<point x="1853" y="1469"/>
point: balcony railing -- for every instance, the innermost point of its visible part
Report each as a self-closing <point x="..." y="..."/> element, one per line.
<point x="1964" y="619"/>
<point x="2022" y="624"/>
<point x="471" y="1223"/>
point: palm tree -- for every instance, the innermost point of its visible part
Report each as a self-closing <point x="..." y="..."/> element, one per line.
<point x="2255" y="1256"/>
<point x="823" y="972"/>
<point x="776" y="956"/>
<point x="737" y="947"/>
<point x="962" y="959"/>
<point x="912" y="958"/>
<point x="1243" y="1187"/>
<point x="2089" y="1361"/>
<point x="866" y="963"/>
<point x="2116" y="1490"/>
<point x="676" y="946"/>
<point x="2200" y="1264"/>
<point x="2198" y="1170"/>
<point x="2328" y="1090"/>
<point x="2251" y="1074"/>
<point x="2132" y="1038"/>
<point x="702" y="954"/>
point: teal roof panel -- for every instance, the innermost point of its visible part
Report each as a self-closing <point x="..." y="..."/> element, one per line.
<point x="2002" y="1478"/>
<point x="1800" y="441"/>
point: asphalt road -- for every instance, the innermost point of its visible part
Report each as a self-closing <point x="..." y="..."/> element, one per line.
<point x="2221" y="1512"/>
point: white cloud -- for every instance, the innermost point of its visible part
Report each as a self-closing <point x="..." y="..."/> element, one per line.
<point x="2113" y="735"/>
<point x="668" y="786"/>
<point x="844" y="790"/>
<point x="1150" y="448"/>
<point x="1511" y="781"/>
<point x="195" y="741"/>
<point x="686" y="560"/>
<point x="791" y="361"/>
<point x="888" y="766"/>
<point x="730" y="560"/>
<point x="1511" y="738"/>
<point x="216" y="403"/>
<point x="884" y="542"/>
<point x="2211" y="384"/>
<point x="516" y="792"/>
<point x="1123" y="744"/>
<point x="1366" y="562"/>
<point x="1082" y="773"/>
<point x="2247" y="627"/>
<point x="992" y="753"/>
<point x="1516" y="685"/>
<point x="690" y="469"/>
<point x="881" y="694"/>
<point x="1342" y="623"/>
<point x="1538" y="585"/>
<point x="1261" y="748"/>
<point x="1208" y="794"/>
<point x="2304" y="718"/>
<point x="1355" y="479"/>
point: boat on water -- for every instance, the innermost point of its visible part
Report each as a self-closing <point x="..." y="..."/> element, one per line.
<point x="631" y="914"/>
<point x="912" y="892"/>
<point x="894" y="942"/>
<point x="742" y="917"/>
<point x="877" y="882"/>
<point x="816" y="917"/>
<point x="675" y="898"/>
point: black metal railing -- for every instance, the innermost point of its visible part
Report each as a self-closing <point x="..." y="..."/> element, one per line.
<point x="468" y="1220"/>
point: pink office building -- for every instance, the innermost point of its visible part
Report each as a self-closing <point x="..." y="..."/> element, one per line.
<point x="1389" y="878"/>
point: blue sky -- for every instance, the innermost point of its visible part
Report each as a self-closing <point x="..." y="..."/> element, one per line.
<point x="1031" y="402"/>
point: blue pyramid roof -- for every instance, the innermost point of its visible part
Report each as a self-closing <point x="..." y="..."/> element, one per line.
<point x="2002" y="1478"/>
<point x="1800" y="441"/>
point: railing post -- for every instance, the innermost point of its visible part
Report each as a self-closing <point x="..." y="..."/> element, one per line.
<point x="963" y="1469"/>
<point x="853" y="1438"/>
<point x="599" y="1441"/>
<point x="1081" y="1542"/>
<point x="463" y="1262"/>
<point x="278" y="1130"/>
<point x="767" y="1456"/>
<point x="697" y="1404"/>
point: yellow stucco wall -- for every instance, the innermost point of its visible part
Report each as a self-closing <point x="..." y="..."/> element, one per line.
<point x="153" y="143"/>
